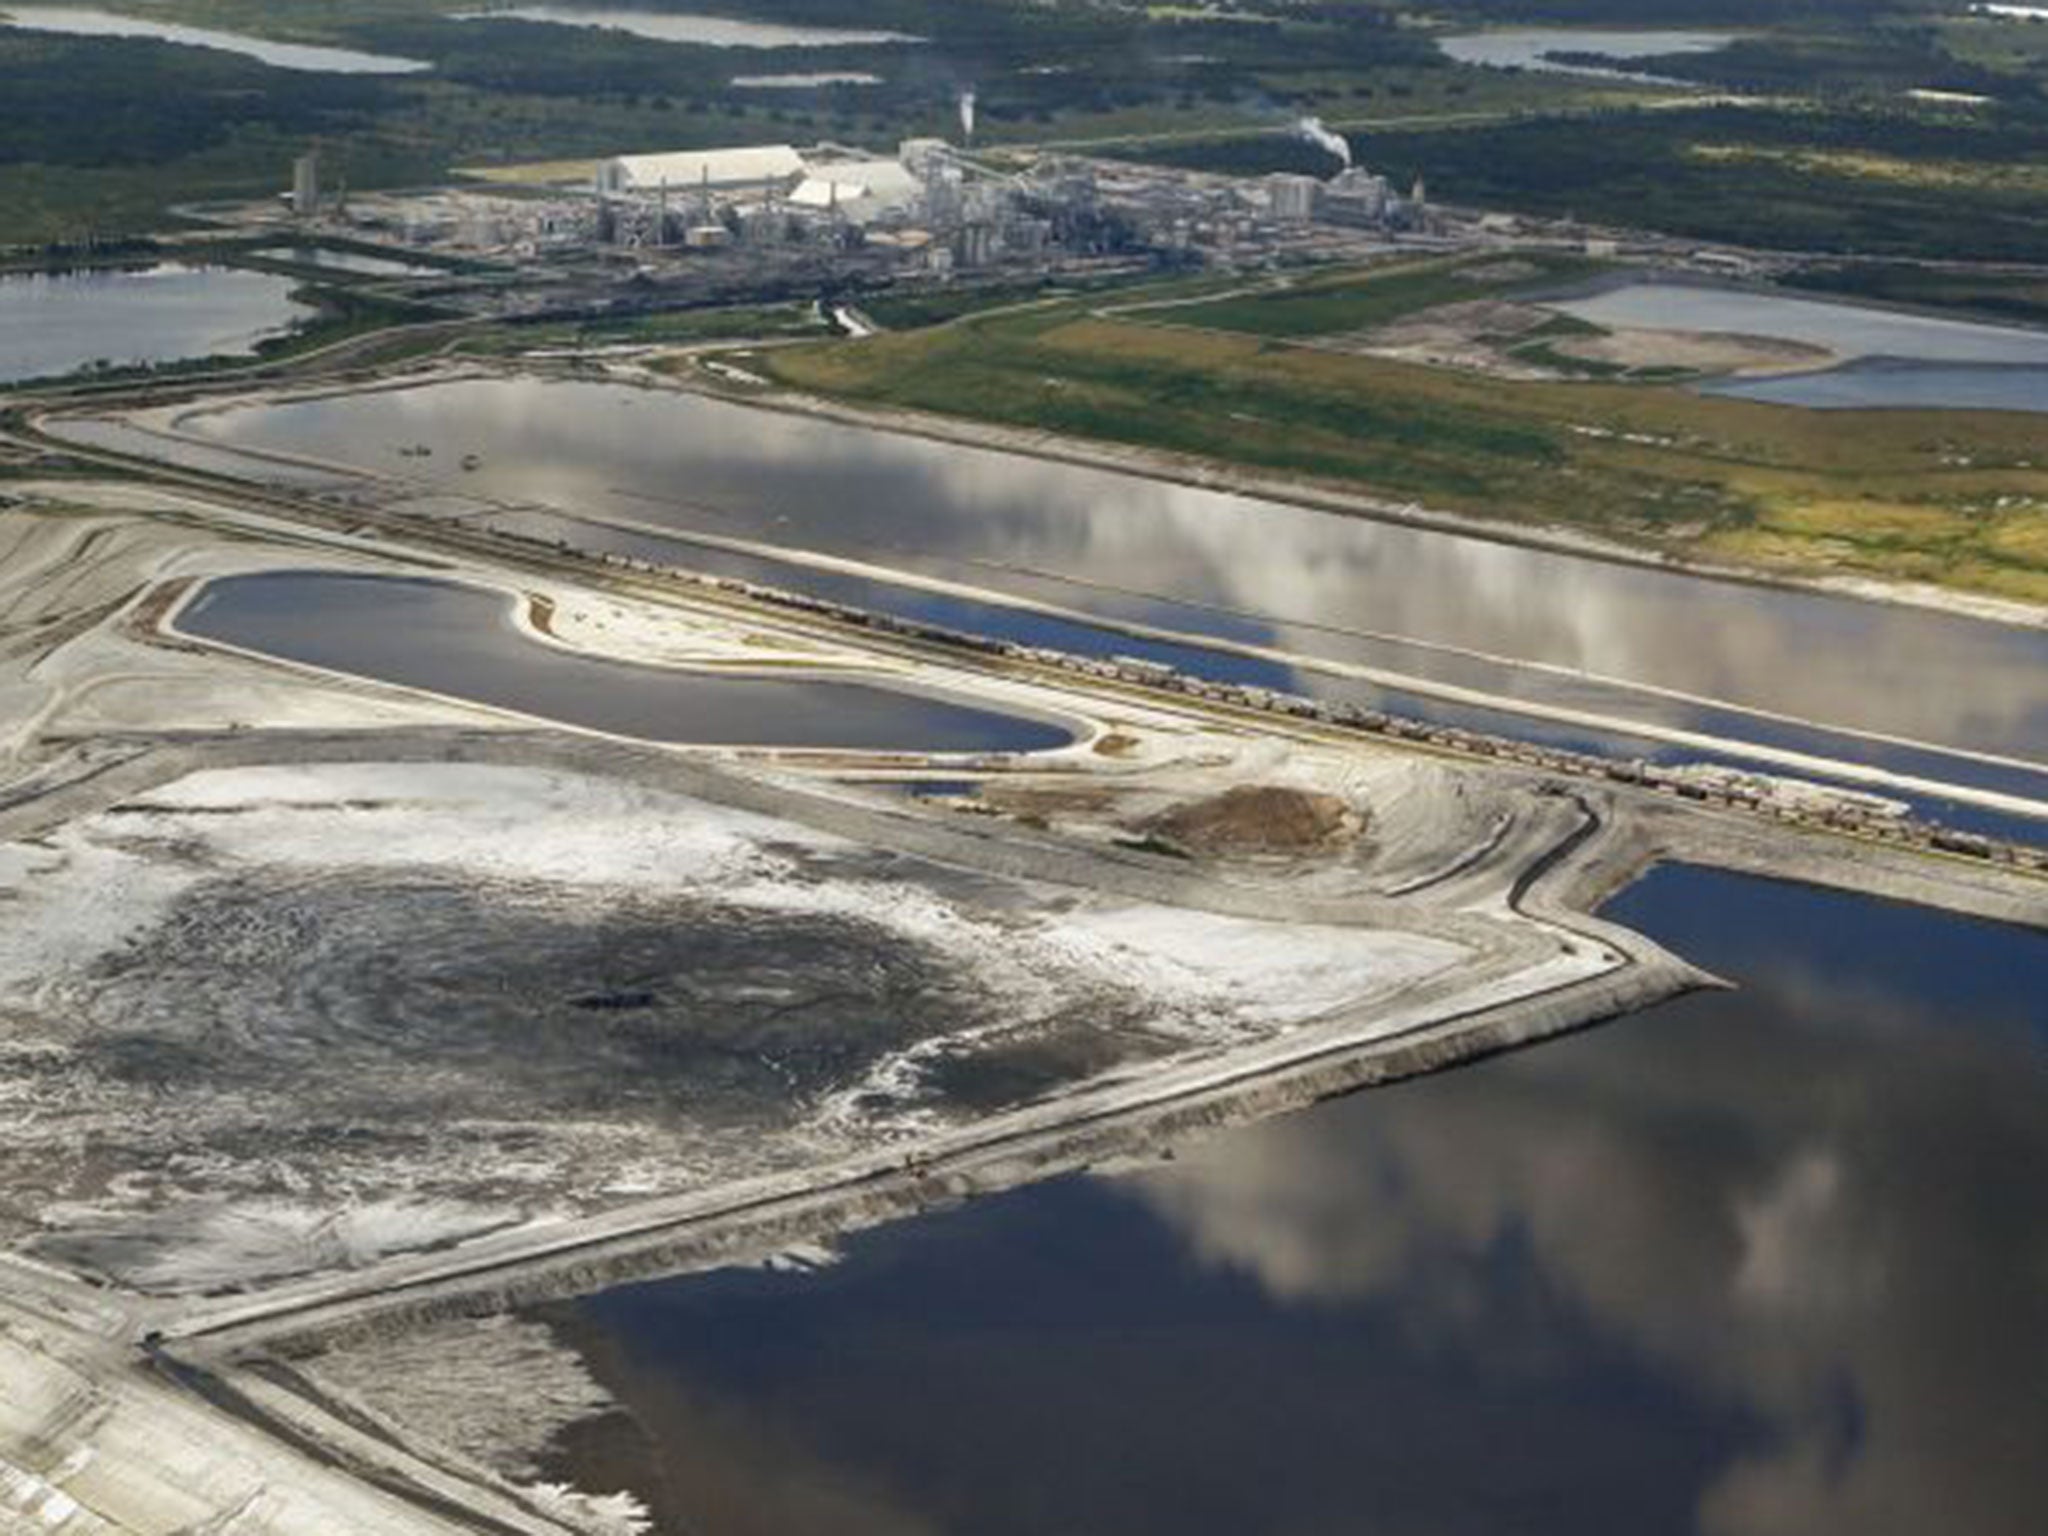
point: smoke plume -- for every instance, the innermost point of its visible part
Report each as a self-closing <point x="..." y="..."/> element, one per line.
<point x="1312" y="129"/>
<point x="967" y="115"/>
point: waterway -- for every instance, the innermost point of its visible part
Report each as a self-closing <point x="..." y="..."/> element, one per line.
<point x="1201" y="655"/>
<point x="1533" y="48"/>
<point x="1523" y="624"/>
<point x="689" y="27"/>
<point x="1751" y="1263"/>
<point x="80" y="21"/>
<point x="56" y="322"/>
<point x="461" y="641"/>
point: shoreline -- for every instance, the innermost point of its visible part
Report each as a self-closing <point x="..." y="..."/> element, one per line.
<point x="1545" y="963"/>
<point x="1051" y="447"/>
<point x="1515" y="986"/>
<point x="1322" y="496"/>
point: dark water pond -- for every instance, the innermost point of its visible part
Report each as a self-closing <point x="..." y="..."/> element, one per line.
<point x="1754" y="1263"/>
<point x="460" y="641"/>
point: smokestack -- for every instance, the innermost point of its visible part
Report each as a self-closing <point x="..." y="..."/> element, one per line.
<point x="1312" y="129"/>
<point x="967" y="115"/>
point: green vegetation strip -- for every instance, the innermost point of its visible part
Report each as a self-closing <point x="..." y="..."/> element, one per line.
<point x="1353" y="300"/>
<point x="1952" y="497"/>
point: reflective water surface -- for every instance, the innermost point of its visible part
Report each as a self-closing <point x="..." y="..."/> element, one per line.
<point x="1853" y="330"/>
<point x="1553" y="627"/>
<point x="1761" y="1263"/>
<point x="1893" y="358"/>
<point x="805" y="82"/>
<point x="1882" y="382"/>
<point x="54" y="322"/>
<point x="1532" y="47"/>
<point x="81" y="21"/>
<point x="1205" y="654"/>
<point x="460" y="641"/>
<point x="666" y="26"/>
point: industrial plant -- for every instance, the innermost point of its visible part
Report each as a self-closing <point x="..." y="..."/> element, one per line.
<point x="717" y="224"/>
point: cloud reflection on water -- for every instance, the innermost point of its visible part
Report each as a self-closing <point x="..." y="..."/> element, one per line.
<point x="721" y="468"/>
<point x="1760" y="1194"/>
<point x="1758" y="1264"/>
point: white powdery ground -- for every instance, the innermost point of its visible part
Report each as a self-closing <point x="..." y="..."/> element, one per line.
<point x="536" y="825"/>
<point x="186" y="1216"/>
<point x="223" y="1244"/>
<point x="495" y="1390"/>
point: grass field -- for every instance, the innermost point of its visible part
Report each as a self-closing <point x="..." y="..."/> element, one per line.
<point x="671" y="327"/>
<point x="912" y="308"/>
<point x="1354" y="299"/>
<point x="1956" y="498"/>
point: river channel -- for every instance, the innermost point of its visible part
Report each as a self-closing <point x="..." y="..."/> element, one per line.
<point x="1755" y="1263"/>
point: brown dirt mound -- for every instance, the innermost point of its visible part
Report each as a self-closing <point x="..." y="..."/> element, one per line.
<point x="1259" y="818"/>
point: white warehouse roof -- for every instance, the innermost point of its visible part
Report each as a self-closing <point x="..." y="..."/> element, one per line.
<point x="684" y="169"/>
<point x="879" y="178"/>
<point x="860" y="189"/>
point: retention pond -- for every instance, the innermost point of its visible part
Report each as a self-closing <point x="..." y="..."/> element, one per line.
<point x="83" y="21"/>
<point x="695" y="28"/>
<point x="1761" y="1261"/>
<point x="460" y="641"/>
<point x="1577" y="50"/>
<point x="643" y="470"/>
<point x="1891" y="358"/>
<point x="58" y="322"/>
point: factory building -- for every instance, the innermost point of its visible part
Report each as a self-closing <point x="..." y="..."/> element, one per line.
<point x="306" y="185"/>
<point x="923" y="157"/>
<point x="710" y="170"/>
<point x="858" y="191"/>
<point x="1357" y="197"/>
<point x="926" y="210"/>
<point x="775" y="194"/>
<point x="1292" y="198"/>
